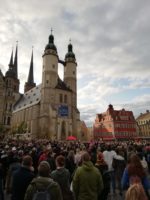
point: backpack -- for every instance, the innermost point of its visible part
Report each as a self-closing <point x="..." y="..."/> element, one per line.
<point x="42" y="194"/>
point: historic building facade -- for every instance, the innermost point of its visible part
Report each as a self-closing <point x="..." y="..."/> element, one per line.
<point x="9" y="91"/>
<point x="143" y="123"/>
<point x="115" y="124"/>
<point x="49" y="110"/>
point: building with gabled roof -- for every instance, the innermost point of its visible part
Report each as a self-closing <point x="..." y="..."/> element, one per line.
<point x="143" y="122"/>
<point x="115" y="124"/>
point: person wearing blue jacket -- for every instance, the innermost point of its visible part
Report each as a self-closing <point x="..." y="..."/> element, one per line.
<point x="134" y="173"/>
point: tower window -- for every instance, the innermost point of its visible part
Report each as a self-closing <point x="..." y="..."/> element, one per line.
<point x="60" y="98"/>
<point x="4" y="120"/>
<point x="8" y="121"/>
<point x="65" y="98"/>
<point x="10" y="107"/>
<point x="53" y="66"/>
<point x="73" y="72"/>
<point x="47" y="81"/>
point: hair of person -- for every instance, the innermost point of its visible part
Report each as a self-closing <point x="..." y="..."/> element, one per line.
<point x="135" y="167"/>
<point x="60" y="161"/>
<point x="71" y="154"/>
<point x="136" y="192"/>
<point x="44" y="169"/>
<point x="27" y="161"/>
<point x="85" y="157"/>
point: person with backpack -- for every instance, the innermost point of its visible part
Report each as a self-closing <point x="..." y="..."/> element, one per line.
<point x="134" y="173"/>
<point x="43" y="187"/>
<point x="62" y="176"/>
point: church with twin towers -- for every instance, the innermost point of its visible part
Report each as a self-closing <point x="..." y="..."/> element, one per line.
<point x="48" y="110"/>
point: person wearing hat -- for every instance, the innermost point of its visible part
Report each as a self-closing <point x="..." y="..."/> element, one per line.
<point x="43" y="182"/>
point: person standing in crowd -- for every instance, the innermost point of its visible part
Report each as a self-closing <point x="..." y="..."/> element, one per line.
<point x="70" y="162"/>
<point x="21" y="178"/>
<point x="135" y="192"/>
<point x="77" y="157"/>
<point x="62" y="176"/>
<point x="12" y="168"/>
<point x="119" y="165"/>
<point x="103" y="168"/>
<point x="43" y="182"/>
<point x="87" y="180"/>
<point x="1" y="183"/>
<point x="109" y="153"/>
<point x="134" y="173"/>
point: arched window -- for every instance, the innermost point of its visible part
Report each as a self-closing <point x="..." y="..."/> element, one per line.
<point x="8" y="121"/>
<point x="60" y="98"/>
<point x="65" y="98"/>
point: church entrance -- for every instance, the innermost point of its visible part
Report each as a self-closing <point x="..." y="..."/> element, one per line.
<point x="63" y="130"/>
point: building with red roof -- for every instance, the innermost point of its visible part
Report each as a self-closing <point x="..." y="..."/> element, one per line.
<point x="115" y="124"/>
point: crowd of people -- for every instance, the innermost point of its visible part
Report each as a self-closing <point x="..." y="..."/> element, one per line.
<point x="74" y="170"/>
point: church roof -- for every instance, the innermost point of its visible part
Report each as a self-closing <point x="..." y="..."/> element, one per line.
<point x="30" y="98"/>
<point x="61" y="85"/>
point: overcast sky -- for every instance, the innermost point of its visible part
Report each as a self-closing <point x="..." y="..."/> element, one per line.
<point x="111" y="41"/>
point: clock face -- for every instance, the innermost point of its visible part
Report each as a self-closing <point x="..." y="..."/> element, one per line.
<point x="63" y="110"/>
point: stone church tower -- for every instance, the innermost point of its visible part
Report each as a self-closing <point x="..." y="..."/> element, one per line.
<point x="49" y="110"/>
<point x="9" y="91"/>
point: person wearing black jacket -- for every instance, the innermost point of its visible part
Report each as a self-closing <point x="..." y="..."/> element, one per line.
<point x="22" y="178"/>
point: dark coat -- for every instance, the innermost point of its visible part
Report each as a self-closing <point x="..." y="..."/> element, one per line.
<point x="41" y="183"/>
<point x="21" y="179"/>
<point x="62" y="177"/>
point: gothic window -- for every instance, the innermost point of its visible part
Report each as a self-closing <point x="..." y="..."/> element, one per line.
<point x="60" y="98"/>
<point x="4" y="120"/>
<point x="10" y="107"/>
<point x="9" y="83"/>
<point x="65" y="98"/>
<point x="8" y="121"/>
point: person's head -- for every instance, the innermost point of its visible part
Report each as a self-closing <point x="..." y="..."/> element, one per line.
<point x="85" y="157"/>
<point x="44" y="169"/>
<point x="27" y="161"/>
<point x="60" y="161"/>
<point x="136" y="192"/>
<point x="135" y="167"/>
<point x="71" y="154"/>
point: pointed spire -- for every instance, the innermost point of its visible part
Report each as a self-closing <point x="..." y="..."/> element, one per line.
<point x="30" y="76"/>
<point x="16" y="61"/>
<point x="11" y="60"/>
<point x="30" y="82"/>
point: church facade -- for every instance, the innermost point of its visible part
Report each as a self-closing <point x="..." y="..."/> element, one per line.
<point x="49" y="110"/>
